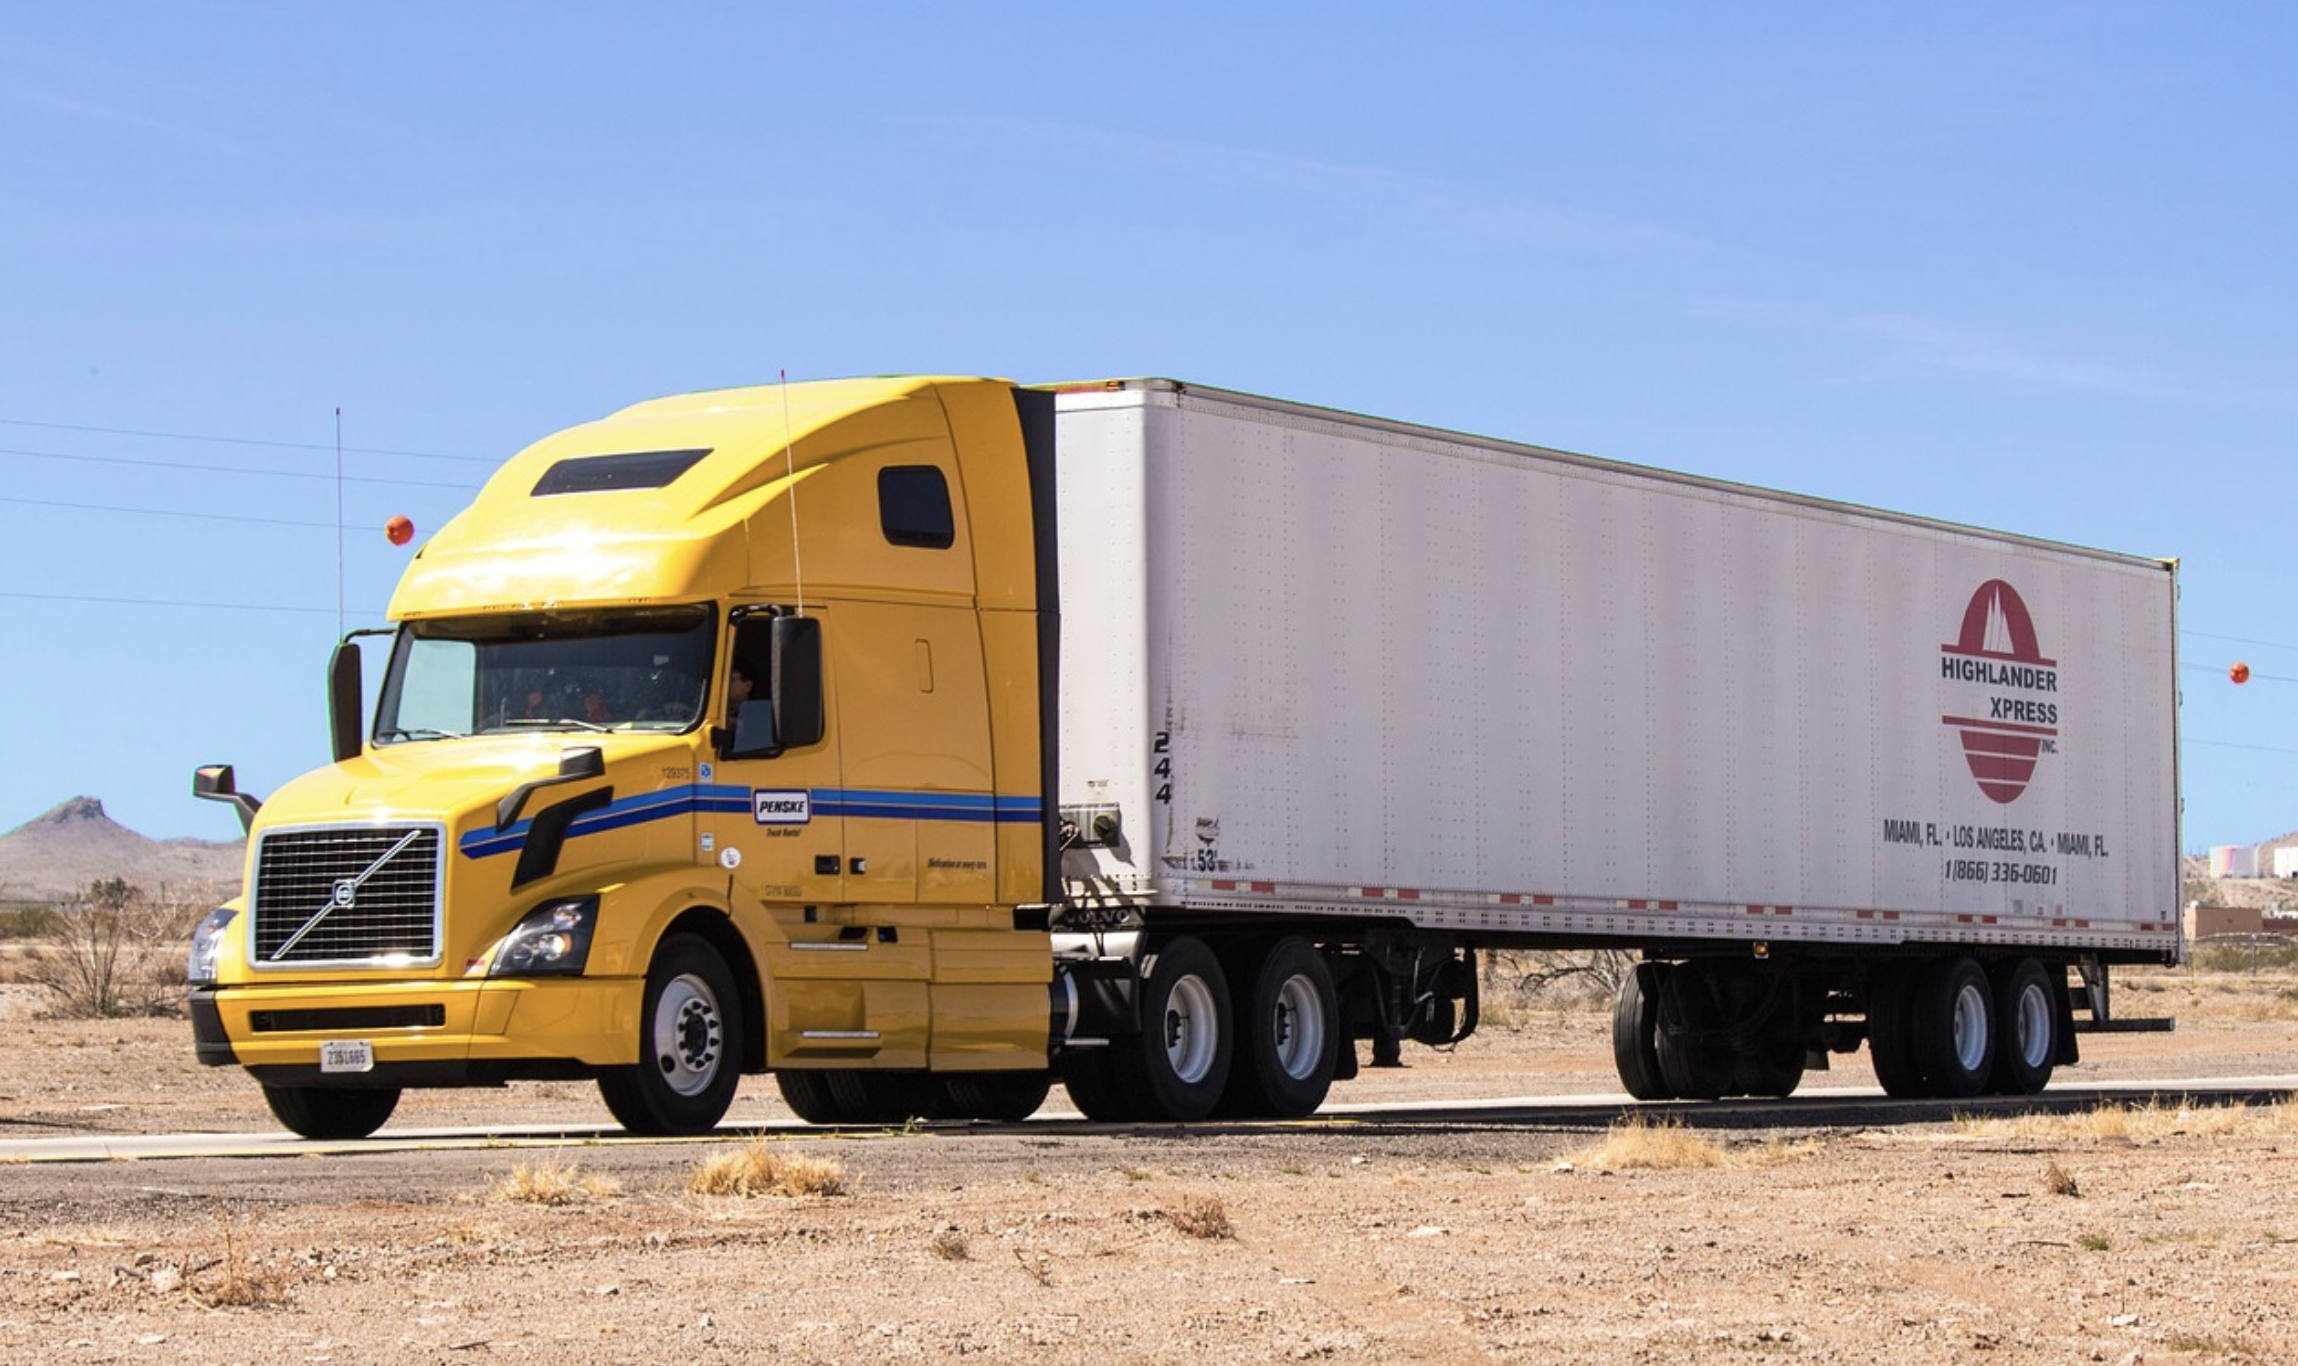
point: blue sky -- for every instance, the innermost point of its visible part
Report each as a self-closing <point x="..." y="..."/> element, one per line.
<point x="2026" y="267"/>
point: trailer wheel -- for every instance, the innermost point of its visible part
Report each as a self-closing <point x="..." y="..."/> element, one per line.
<point x="2027" y="1044"/>
<point x="1185" y="1042"/>
<point x="1891" y="1030"/>
<point x="1636" y="1033"/>
<point x="1955" y="1027"/>
<point x="689" y="1045"/>
<point x="807" y="1093"/>
<point x="1288" y="1033"/>
<point x="1007" y="1097"/>
<point x="332" y="1111"/>
<point x="1693" y="1065"/>
<point x="1775" y="1069"/>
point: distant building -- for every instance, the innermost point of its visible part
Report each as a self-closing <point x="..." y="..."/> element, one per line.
<point x="2205" y="922"/>
<point x="2286" y="862"/>
<point x="2234" y="860"/>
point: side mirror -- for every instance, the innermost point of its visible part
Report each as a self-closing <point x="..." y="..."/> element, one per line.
<point x="796" y="686"/>
<point x="343" y="700"/>
<point x="216" y="783"/>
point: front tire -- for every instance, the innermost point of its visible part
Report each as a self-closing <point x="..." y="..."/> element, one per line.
<point x="689" y="1045"/>
<point x="332" y="1112"/>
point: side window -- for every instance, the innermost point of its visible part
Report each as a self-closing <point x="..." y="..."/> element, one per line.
<point x="914" y="507"/>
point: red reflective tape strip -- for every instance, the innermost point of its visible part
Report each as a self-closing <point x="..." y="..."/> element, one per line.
<point x="1408" y="895"/>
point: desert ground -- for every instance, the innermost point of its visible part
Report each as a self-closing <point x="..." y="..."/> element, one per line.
<point x="1411" y="1226"/>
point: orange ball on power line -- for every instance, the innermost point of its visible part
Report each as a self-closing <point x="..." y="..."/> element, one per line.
<point x="2240" y="673"/>
<point x="400" y="530"/>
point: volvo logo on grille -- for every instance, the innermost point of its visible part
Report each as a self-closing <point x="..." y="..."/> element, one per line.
<point x="346" y="893"/>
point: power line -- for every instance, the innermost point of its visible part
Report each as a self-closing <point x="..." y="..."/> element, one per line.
<point x="166" y="602"/>
<point x="242" y="441"/>
<point x="230" y="469"/>
<point x="165" y="512"/>
<point x="2239" y="640"/>
<point x="2230" y="744"/>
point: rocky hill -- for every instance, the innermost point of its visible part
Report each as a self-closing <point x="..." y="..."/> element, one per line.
<point x="51" y="857"/>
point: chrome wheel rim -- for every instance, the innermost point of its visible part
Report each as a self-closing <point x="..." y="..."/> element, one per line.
<point x="689" y="1035"/>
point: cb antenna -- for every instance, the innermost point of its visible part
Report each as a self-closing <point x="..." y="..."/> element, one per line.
<point x="339" y="521"/>
<point x="790" y="471"/>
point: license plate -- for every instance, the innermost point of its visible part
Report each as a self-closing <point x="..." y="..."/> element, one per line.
<point x="347" y="1055"/>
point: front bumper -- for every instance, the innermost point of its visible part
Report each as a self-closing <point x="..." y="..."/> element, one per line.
<point x="424" y="1033"/>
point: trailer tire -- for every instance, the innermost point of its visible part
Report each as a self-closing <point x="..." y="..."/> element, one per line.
<point x="2026" y="1029"/>
<point x="331" y="1112"/>
<point x="689" y="1045"/>
<point x="1636" y="1032"/>
<point x="1891" y="1030"/>
<point x="1695" y="1068"/>
<point x="1005" y="1097"/>
<point x="1288" y="1033"/>
<point x="1186" y="1039"/>
<point x="1774" y="1070"/>
<point x="807" y="1093"/>
<point x="1955" y="1028"/>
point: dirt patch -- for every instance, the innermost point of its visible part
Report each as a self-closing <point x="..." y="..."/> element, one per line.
<point x="1369" y="1237"/>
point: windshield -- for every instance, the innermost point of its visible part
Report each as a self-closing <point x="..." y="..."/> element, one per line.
<point x="600" y="670"/>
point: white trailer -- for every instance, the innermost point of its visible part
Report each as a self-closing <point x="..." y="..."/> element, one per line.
<point x="1838" y="774"/>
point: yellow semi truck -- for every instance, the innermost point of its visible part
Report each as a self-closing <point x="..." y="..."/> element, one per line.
<point x="924" y="741"/>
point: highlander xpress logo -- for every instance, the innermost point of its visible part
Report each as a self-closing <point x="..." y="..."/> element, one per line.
<point x="2002" y="694"/>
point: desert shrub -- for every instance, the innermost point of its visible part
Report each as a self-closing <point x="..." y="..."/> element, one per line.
<point x="1636" y="1143"/>
<point x="759" y="1170"/>
<point x="1202" y="1216"/>
<point x="2244" y="953"/>
<point x="24" y="920"/>
<point x="1518" y="982"/>
<point x="552" y="1182"/>
<point x="118" y="950"/>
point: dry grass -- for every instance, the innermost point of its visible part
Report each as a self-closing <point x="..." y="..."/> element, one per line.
<point x="2156" y="1119"/>
<point x="759" y="1170"/>
<point x="2059" y="1181"/>
<point x="552" y="1182"/>
<point x="231" y="1281"/>
<point x="1202" y="1216"/>
<point x="1637" y="1143"/>
<point x="950" y="1245"/>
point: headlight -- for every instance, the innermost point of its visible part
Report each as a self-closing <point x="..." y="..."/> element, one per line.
<point x="552" y="941"/>
<point x="207" y="947"/>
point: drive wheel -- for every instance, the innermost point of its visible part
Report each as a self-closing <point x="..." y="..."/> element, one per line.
<point x="689" y="1045"/>
<point x="1006" y="1097"/>
<point x="1182" y="1055"/>
<point x="867" y="1096"/>
<point x="1955" y="1028"/>
<point x="332" y="1111"/>
<point x="2027" y="1015"/>
<point x="1693" y="1065"/>
<point x="1091" y="1077"/>
<point x="807" y="1093"/>
<point x="1891" y="1030"/>
<point x="1288" y="1035"/>
<point x="1636" y="1033"/>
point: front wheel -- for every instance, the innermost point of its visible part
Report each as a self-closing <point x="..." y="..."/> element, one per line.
<point x="689" y="1045"/>
<point x="332" y="1111"/>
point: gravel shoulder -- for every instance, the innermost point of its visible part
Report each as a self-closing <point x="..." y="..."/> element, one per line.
<point x="1350" y="1238"/>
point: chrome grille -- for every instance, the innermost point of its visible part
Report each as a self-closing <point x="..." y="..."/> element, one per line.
<point x="347" y="895"/>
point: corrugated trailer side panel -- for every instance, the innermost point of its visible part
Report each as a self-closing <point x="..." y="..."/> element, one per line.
<point x="1328" y="664"/>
